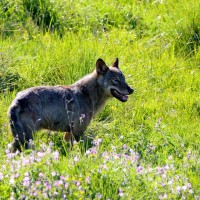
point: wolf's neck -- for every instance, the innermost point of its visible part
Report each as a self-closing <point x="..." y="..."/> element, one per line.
<point x="95" y="94"/>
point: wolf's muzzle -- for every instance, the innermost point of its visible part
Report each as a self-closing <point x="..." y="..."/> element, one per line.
<point x="130" y="90"/>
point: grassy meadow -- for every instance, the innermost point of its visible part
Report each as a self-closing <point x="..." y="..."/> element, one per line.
<point x="146" y="148"/>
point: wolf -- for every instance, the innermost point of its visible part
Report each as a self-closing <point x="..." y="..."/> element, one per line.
<point x="66" y="109"/>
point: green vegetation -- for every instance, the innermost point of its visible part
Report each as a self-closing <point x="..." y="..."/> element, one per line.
<point x="147" y="148"/>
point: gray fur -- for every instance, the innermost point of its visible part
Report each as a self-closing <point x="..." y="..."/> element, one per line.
<point x="65" y="108"/>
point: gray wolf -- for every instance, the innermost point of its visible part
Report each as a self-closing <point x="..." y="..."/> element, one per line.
<point x="66" y="109"/>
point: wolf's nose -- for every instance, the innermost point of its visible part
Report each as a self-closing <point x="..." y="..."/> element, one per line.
<point x="130" y="90"/>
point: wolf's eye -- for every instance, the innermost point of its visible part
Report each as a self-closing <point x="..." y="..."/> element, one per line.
<point x="115" y="80"/>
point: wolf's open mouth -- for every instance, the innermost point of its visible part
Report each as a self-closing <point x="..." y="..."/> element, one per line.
<point x="119" y="96"/>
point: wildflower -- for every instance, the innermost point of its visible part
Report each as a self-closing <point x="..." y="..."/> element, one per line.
<point x="48" y="163"/>
<point x="113" y="148"/>
<point x="97" y="142"/>
<point x="38" y="182"/>
<point x="163" y="184"/>
<point x="121" y="192"/>
<point x="60" y="182"/>
<point x="104" y="166"/>
<point x="53" y="174"/>
<point x="56" y="183"/>
<point x="91" y="151"/>
<point x="170" y="157"/>
<point x="35" y="194"/>
<point x="45" y="195"/>
<point x="81" y="118"/>
<point x="106" y="155"/>
<point x="62" y="178"/>
<point x="160" y="170"/>
<point x="87" y="180"/>
<point x="51" y="144"/>
<point x="164" y="196"/>
<point x="10" y="155"/>
<point x="178" y="188"/>
<point x="113" y="108"/>
<point x="78" y="183"/>
<point x="16" y="175"/>
<point x="164" y="176"/>
<point x="41" y="175"/>
<point x="150" y="179"/>
<point x="48" y="186"/>
<point x="26" y="181"/>
<point x="56" y="155"/>
<point x="117" y="156"/>
<point x="139" y="169"/>
<point x="189" y="185"/>
<point x="158" y="123"/>
<point x="12" y="196"/>
<point x="7" y="151"/>
<point x="167" y="167"/>
<point x="76" y="159"/>
<point x="1" y="176"/>
<point x="170" y="182"/>
<point x="26" y="174"/>
<point x="191" y="191"/>
<point x="189" y="155"/>
<point x="125" y="146"/>
<point x="40" y="154"/>
<point x="184" y="187"/>
<point x="66" y="185"/>
<point x="3" y="167"/>
<point x="152" y="147"/>
<point x="99" y="196"/>
<point x="12" y="180"/>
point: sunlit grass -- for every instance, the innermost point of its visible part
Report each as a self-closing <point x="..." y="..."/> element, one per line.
<point x="147" y="148"/>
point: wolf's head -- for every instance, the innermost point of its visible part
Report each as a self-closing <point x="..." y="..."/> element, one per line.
<point x="112" y="80"/>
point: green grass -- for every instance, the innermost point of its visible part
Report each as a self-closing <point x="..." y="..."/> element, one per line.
<point x="147" y="148"/>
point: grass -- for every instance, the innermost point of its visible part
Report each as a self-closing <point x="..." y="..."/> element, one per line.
<point x="147" y="148"/>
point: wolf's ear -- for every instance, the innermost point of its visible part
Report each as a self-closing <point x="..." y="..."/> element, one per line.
<point x="101" y="67"/>
<point x="116" y="63"/>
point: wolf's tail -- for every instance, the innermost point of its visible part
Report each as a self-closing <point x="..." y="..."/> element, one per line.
<point x="16" y="127"/>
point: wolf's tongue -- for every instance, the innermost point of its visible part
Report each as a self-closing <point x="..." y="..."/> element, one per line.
<point x="124" y="97"/>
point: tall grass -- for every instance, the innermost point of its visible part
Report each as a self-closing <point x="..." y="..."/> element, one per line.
<point x="147" y="148"/>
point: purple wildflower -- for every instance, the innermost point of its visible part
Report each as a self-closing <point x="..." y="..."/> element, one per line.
<point x="99" y="196"/>
<point x="56" y="155"/>
<point x="139" y="169"/>
<point x="82" y="115"/>
<point x="78" y="183"/>
<point x="1" y="176"/>
<point x="121" y="194"/>
<point x="125" y="146"/>
<point x="41" y="175"/>
<point x="66" y="185"/>
<point x="26" y="181"/>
